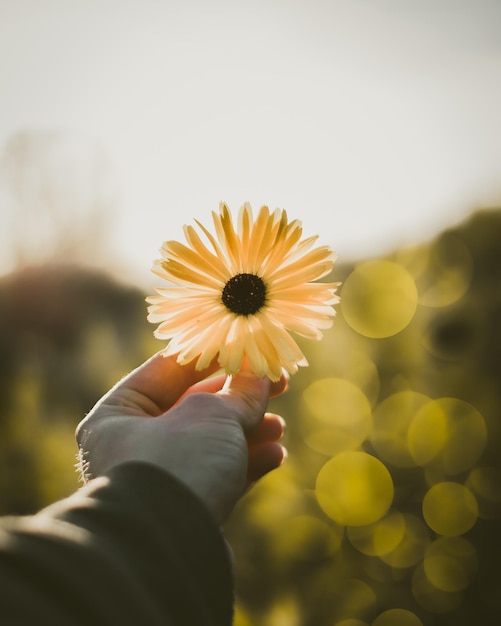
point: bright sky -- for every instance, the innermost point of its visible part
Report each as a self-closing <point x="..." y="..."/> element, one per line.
<point x="375" y="122"/>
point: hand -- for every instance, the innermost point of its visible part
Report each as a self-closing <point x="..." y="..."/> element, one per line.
<point x="212" y="433"/>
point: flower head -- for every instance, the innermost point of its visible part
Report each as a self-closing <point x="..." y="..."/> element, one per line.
<point x="238" y="293"/>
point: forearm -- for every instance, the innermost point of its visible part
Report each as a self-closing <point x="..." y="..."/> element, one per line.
<point x="133" y="547"/>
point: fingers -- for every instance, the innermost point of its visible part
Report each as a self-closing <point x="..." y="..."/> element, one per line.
<point x="249" y="395"/>
<point x="158" y="383"/>
<point x="264" y="458"/>
<point x="264" y="452"/>
<point x="272" y="428"/>
<point x="217" y="383"/>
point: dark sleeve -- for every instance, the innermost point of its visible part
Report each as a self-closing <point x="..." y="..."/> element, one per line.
<point x="132" y="547"/>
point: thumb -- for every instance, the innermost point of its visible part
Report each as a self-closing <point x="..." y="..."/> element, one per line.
<point x="248" y="395"/>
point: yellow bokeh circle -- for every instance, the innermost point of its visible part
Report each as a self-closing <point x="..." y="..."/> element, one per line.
<point x="378" y="538"/>
<point x="306" y="538"/>
<point x="392" y="419"/>
<point x="397" y="617"/>
<point x="450" y="509"/>
<point x="356" y="366"/>
<point x="354" y="488"/>
<point x="427" y="433"/>
<point x="450" y="563"/>
<point x="449" y="272"/>
<point x="379" y="299"/>
<point x="449" y="430"/>
<point x="337" y="415"/>
<point x="467" y="435"/>
<point x="353" y="598"/>
<point x="485" y="483"/>
<point x="430" y="597"/>
<point x="411" y="549"/>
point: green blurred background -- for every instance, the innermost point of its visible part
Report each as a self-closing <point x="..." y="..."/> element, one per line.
<point x="388" y="509"/>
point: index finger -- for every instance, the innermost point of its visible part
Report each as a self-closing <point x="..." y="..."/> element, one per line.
<point x="160" y="381"/>
<point x="217" y="383"/>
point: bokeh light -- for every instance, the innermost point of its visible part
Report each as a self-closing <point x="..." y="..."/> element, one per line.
<point x="448" y="428"/>
<point x="450" y="563"/>
<point x="450" y="264"/>
<point x="379" y="298"/>
<point x="412" y="547"/>
<point x="427" y="433"/>
<point x="378" y="538"/>
<point x="430" y="597"/>
<point x="356" y="366"/>
<point x="485" y="484"/>
<point x="313" y="539"/>
<point x="467" y="435"/>
<point x="354" y="488"/>
<point x="397" y="617"/>
<point x="450" y="508"/>
<point x="337" y="416"/>
<point x="392" y="418"/>
<point x="355" y="598"/>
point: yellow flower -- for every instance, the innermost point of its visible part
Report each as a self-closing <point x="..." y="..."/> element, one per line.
<point x="238" y="294"/>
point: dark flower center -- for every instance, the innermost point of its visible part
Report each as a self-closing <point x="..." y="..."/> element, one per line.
<point x="244" y="294"/>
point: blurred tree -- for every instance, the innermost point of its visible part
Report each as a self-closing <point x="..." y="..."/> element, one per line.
<point x="66" y="335"/>
<point x="57" y="199"/>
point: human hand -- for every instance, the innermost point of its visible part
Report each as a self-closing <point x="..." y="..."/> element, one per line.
<point x="213" y="434"/>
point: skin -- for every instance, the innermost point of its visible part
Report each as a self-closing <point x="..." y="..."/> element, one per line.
<point x="212" y="432"/>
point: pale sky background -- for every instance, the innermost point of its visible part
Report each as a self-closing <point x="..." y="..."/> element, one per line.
<point x="375" y="122"/>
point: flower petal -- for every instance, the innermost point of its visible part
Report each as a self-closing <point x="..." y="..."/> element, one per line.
<point x="227" y="237"/>
<point x="231" y="352"/>
<point x="179" y="273"/>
